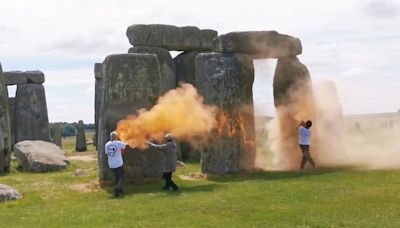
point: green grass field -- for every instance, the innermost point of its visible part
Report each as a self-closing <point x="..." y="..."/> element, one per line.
<point x="321" y="197"/>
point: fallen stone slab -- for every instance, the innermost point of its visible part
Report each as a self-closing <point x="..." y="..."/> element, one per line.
<point x="23" y="77"/>
<point x="40" y="156"/>
<point x="188" y="38"/>
<point x="8" y="193"/>
<point x="258" y="44"/>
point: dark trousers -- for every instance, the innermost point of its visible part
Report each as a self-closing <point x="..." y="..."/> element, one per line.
<point x="305" y="149"/>
<point x="119" y="178"/>
<point x="167" y="176"/>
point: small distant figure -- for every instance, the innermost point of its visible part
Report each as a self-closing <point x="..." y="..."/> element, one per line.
<point x="115" y="149"/>
<point x="170" y="151"/>
<point x="304" y="142"/>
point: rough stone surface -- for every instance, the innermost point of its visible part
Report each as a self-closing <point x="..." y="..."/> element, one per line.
<point x="131" y="82"/>
<point x="294" y="102"/>
<point x="80" y="145"/>
<point x="40" y="156"/>
<point x="31" y="120"/>
<point x="226" y="80"/>
<point x="11" y="104"/>
<point x="259" y="44"/>
<point x="5" y="129"/>
<point x="185" y="65"/>
<point x="56" y="134"/>
<point x="98" y="94"/>
<point x="23" y="77"/>
<point x="8" y="193"/>
<point x="187" y="38"/>
<point x="167" y="66"/>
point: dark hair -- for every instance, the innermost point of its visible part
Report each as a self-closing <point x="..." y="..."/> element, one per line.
<point x="308" y="123"/>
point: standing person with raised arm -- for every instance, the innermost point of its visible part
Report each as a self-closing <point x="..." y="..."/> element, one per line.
<point x="170" y="151"/>
<point x="304" y="142"/>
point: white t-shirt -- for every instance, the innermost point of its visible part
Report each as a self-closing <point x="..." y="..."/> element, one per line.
<point x="304" y="136"/>
<point x="113" y="151"/>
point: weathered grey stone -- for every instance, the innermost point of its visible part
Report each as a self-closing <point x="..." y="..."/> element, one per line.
<point x="259" y="44"/>
<point x="23" y="77"/>
<point x="5" y="130"/>
<point x="98" y="94"/>
<point x="40" y="156"/>
<point x="167" y="66"/>
<point x="8" y="193"/>
<point x="294" y="102"/>
<point x="11" y="104"/>
<point x="56" y="134"/>
<point x="131" y="82"/>
<point x="185" y="65"/>
<point x="31" y="120"/>
<point x="187" y="38"/>
<point x="80" y="145"/>
<point x="226" y="80"/>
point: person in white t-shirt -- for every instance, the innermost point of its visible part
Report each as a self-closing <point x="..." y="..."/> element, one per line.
<point x="114" y="150"/>
<point x="304" y="142"/>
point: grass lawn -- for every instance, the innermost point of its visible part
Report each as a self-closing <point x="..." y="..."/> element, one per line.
<point x="314" y="198"/>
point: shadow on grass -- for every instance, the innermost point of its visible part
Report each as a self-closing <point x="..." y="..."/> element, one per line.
<point x="275" y="175"/>
<point x="132" y="189"/>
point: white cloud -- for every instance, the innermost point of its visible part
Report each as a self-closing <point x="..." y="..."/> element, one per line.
<point x="340" y="39"/>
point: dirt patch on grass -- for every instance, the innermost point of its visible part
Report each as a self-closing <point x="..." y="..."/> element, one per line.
<point x="84" y="158"/>
<point x="193" y="176"/>
<point x="92" y="186"/>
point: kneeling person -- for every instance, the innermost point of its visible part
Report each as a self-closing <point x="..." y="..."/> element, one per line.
<point x="114" y="150"/>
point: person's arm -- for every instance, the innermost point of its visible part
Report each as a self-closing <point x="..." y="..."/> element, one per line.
<point x="302" y="123"/>
<point x="159" y="146"/>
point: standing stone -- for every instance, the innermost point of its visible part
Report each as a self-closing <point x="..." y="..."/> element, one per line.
<point x="11" y="104"/>
<point x="226" y="80"/>
<point x="185" y="65"/>
<point x="167" y="66"/>
<point x="294" y="102"/>
<point x="188" y="38"/>
<point x="98" y="95"/>
<point x="131" y="82"/>
<point x="259" y="44"/>
<point x="31" y="120"/>
<point x="80" y="137"/>
<point x="5" y="130"/>
<point x="56" y="134"/>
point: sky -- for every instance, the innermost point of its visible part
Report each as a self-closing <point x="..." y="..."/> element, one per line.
<point x="355" y="43"/>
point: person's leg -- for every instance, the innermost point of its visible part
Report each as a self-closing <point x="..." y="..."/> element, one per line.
<point x="174" y="186"/>
<point x="303" y="159"/>
<point x="114" y="170"/>
<point x="167" y="184"/>
<point x="309" y="158"/>
<point x="121" y="179"/>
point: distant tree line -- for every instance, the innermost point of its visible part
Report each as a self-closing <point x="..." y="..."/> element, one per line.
<point x="69" y="129"/>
